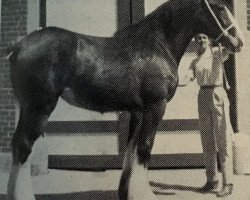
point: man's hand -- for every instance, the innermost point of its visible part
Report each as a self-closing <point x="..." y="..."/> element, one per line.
<point x="184" y="81"/>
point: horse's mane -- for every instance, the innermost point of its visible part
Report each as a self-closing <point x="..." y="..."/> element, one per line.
<point x="162" y="14"/>
<point x="165" y="26"/>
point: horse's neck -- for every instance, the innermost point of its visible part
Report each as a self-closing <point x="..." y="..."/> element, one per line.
<point x="173" y="26"/>
<point x="181" y="27"/>
<point x="163" y="28"/>
<point x="179" y="41"/>
<point x="174" y="41"/>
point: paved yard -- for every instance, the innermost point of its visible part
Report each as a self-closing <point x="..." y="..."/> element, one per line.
<point x="167" y="184"/>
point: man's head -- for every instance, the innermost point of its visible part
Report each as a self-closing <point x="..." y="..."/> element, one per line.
<point x="203" y="42"/>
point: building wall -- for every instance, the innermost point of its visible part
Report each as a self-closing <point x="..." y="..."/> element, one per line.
<point x="13" y="26"/>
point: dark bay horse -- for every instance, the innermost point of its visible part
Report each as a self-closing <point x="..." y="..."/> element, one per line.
<point x="135" y="70"/>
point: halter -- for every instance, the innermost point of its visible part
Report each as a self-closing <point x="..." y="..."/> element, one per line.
<point x="223" y="30"/>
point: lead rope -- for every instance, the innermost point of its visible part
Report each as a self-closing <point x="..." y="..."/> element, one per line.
<point x="225" y="81"/>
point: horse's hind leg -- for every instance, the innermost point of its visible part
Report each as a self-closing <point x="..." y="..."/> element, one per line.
<point x="134" y="184"/>
<point x="33" y="116"/>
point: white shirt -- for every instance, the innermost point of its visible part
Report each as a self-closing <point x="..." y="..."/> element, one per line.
<point x="208" y="67"/>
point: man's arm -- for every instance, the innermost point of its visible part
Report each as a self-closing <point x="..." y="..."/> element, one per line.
<point x="185" y="81"/>
<point x="190" y="76"/>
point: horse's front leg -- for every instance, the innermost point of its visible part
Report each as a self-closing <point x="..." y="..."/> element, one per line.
<point x="134" y="183"/>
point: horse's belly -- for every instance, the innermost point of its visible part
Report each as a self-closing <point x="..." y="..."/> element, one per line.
<point x="82" y="101"/>
<point x="69" y="96"/>
<point x="101" y="102"/>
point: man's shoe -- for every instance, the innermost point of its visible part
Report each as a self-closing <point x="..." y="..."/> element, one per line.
<point x="226" y="190"/>
<point x="209" y="187"/>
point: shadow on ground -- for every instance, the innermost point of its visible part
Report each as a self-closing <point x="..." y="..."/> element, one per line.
<point x="97" y="195"/>
<point x="159" y="189"/>
<point x="161" y="186"/>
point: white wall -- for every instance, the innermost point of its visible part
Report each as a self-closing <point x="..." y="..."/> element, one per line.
<point x="243" y="70"/>
<point x="91" y="17"/>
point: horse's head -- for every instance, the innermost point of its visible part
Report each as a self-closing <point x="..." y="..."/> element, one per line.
<point x="217" y="22"/>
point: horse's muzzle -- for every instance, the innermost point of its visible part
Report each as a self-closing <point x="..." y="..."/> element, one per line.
<point x="236" y="44"/>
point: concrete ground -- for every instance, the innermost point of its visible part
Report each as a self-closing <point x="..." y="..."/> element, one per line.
<point x="167" y="185"/>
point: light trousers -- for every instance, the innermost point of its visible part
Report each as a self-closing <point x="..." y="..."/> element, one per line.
<point x="216" y="132"/>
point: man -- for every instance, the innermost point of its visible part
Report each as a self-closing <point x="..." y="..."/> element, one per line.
<point x="213" y="109"/>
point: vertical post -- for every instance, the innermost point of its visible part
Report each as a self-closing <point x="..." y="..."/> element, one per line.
<point x="0" y="13"/>
<point x="230" y="68"/>
<point x="232" y="94"/>
<point x="123" y="14"/>
<point x="137" y="10"/>
<point x="42" y="13"/>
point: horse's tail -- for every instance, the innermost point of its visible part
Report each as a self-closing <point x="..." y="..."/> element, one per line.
<point x="11" y="50"/>
<point x="8" y="52"/>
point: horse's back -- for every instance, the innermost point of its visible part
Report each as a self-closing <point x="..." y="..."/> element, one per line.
<point x="43" y="42"/>
<point x="52" y="60"/>
<point x="41" y="62"/>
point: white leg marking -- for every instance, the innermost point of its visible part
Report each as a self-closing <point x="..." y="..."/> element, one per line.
<point x="139" y="187"/>
<point x="138" y="183"/>
<point x="20" y="184"/>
